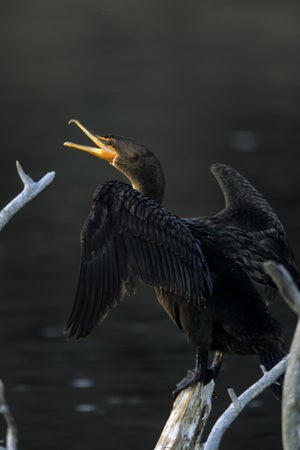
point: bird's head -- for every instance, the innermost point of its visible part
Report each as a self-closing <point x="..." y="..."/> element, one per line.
<point x="131" y="158"/>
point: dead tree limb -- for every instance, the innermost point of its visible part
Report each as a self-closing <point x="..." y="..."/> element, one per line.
<point x="291" y="388"/>
<point x="31" y="189"/>
<point x="239" y="403"/>
<point x="11" y="433"/>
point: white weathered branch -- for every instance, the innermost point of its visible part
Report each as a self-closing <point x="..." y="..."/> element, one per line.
<point x="187" y="420"/>
<point x="239" y="403"/>
<point x="291" y="387"/>
<point x="11" y="433"/>
<point x="285" y="284"/>
<point x="31" y="189"/>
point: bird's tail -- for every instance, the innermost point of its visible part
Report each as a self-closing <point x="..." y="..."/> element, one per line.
<point x="269" y="357"/>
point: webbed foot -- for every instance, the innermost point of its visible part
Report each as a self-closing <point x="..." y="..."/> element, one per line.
<point x="201" y="373"/>
<point x="192" y="377"/>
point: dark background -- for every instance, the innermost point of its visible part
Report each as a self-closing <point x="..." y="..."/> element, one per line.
<point x="198" y="82"/>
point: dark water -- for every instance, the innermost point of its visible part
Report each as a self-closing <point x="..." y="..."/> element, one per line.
<point x="198" y="82"/>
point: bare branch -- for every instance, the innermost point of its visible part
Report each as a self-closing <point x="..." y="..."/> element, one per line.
<point x="291" y="387"/>
<point x="12" y="433"/>
<point x="31" y="189"/>
<point x="285" y="284"/>
<point x="239" y="403"/>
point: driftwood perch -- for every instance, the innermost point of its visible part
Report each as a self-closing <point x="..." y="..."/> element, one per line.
<point x="186" y="423"/>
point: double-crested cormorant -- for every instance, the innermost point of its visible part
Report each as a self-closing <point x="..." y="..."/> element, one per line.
<point x="203" y="269"/>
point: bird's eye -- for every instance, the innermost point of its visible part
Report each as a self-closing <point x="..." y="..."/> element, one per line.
<point x="110" y="142"/>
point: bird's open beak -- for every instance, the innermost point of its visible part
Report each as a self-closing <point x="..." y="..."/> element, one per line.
<point x="102" y="151"/>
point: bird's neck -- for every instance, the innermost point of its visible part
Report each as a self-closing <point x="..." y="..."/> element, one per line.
<point x="151" y="188"/>
<point x="145" y="176"/>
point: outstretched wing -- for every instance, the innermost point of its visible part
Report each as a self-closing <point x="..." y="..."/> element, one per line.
<point x="128" y="238"/>
<point x="252" y="225"/>
<point x="245" y="206"/>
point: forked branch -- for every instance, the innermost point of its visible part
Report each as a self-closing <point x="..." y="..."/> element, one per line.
<point x="240" y="402"/>
<point x="31" y="189"/>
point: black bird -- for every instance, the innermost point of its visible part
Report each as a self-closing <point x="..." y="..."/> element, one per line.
<point x="204" y="270"/>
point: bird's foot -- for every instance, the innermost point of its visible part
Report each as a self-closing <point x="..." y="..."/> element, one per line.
<point x="192" y="377"/>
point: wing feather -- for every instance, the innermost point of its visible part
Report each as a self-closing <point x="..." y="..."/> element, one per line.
<point x="128" y="238"/>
